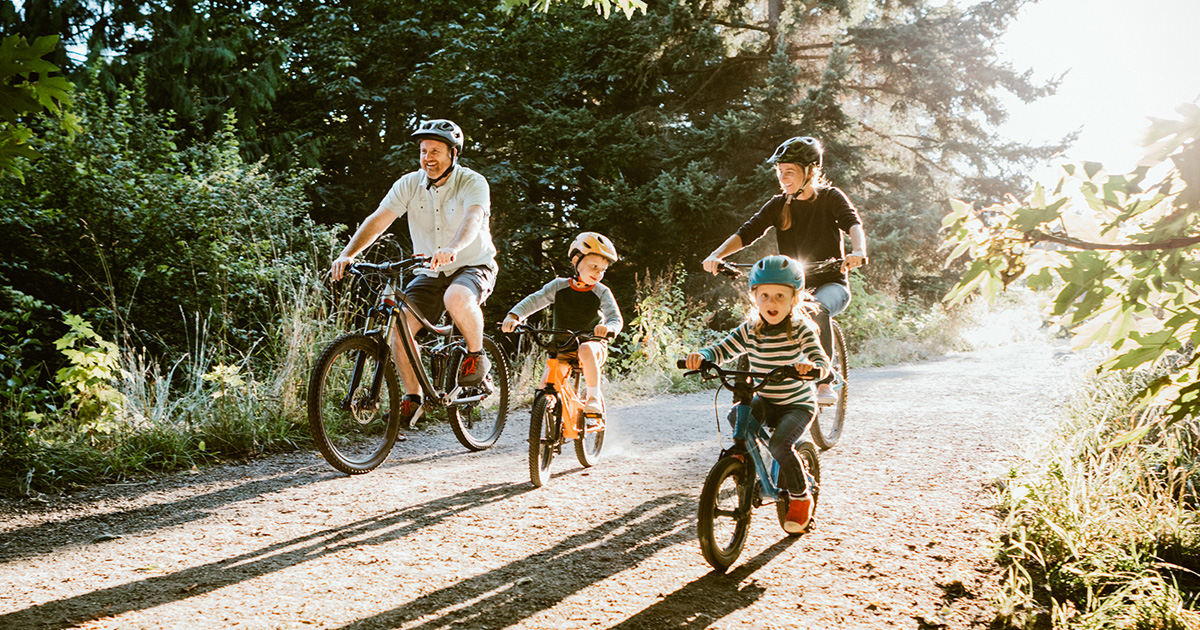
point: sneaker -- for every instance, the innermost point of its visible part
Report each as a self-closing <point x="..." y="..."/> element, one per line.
<point x="594" y="405"/>
<point x="799" y="513"/>
<point x="474" y="366"/>
<point x="408" y="409"/>
<point x="826" y="395"/>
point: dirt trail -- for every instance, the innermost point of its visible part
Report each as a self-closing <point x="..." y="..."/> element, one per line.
<point x="440" y="538"/>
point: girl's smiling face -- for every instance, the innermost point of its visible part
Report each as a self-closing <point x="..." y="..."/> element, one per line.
<point x="774" y="302"/>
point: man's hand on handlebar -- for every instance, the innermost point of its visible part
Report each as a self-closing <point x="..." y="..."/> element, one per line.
<point x="510" y="323"/>
<point x="694" y="360"/>
<point x="338" y="268"/>
<point x="443" y="256"/>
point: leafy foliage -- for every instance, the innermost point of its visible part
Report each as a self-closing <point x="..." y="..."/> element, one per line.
<point x="604" y="7"/>
<point x="1122" y="249"/>
<point x="28" y="87"/>
<point x="141" y="237"/>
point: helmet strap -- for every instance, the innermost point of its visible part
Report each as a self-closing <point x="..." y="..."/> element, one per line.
<point x="444" y="175"/>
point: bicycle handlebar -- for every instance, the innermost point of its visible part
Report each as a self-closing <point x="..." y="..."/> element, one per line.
<point x="578" y="335"/>
<point x="734" y="270"/>
<point x="416" y="260"/>
<point x="707" y="368"/>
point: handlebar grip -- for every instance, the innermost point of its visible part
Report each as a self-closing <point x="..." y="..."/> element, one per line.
<point x="681" y="364"/>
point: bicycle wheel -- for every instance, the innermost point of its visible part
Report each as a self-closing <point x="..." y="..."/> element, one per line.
<point x="478" y="425"/>
<point x="591" y="439"/>
<point x="808" y="457"/>
<point x="354" y="429"/>
<point x="827" y="427"/>
<point x="724" y="516"/>
<point x="543" y="438"/>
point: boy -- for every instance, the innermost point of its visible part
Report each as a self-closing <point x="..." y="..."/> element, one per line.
<point x="580" y="303"/>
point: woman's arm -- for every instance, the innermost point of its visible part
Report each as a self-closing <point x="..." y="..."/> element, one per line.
<point x="731" y="245"/>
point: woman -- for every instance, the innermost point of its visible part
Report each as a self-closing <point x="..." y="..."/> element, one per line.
<point x="809" y="218"/>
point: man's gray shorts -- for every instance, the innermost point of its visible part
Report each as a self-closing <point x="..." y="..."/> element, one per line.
<point x="427" y="292"/>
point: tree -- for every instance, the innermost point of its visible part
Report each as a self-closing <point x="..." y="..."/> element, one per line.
<point x="1120" y="248"/>
<point x="605" y="7"/>
<point x="28" y="87"/>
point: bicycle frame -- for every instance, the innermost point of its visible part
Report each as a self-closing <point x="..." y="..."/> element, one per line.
<point x="570" y="406"/>
<point x="749" y="435"/>
<point x="393" y="306"/>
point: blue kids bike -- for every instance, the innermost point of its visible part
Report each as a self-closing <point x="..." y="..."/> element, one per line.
<point x="745" y="476"/>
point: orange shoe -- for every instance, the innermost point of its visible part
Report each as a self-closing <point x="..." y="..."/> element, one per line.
<point x="799" y="513"/>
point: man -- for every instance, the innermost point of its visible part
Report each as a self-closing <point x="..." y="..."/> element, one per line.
<point x="448" y="207"/>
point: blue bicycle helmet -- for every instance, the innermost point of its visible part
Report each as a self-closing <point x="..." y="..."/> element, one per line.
<point x="777" y="270"/>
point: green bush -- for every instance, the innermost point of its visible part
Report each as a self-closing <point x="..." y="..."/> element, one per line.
<point x="182" y="265"/>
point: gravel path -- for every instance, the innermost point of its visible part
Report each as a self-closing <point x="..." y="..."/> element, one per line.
<point x="441" y="538"/>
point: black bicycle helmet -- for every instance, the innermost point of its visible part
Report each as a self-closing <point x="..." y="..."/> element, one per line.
<point x="443" y="130"/>
<point x="802" y="150"/>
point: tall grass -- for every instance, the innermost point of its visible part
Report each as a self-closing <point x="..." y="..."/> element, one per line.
<point x="1100" y="526"/>
<point x="210" y="404"/>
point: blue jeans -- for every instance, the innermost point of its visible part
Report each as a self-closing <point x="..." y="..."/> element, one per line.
<point x="834" y="297"/>
<point x="789" y="422"/>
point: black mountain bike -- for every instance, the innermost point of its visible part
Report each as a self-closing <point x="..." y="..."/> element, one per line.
<point x="354" y="391"/>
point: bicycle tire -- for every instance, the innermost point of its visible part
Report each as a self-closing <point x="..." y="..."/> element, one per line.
<point x="723" y="520"/>
<point x="589" y="444"/>
<point x="543" y="438"/>
<point x="827" y="427"/>
<point x="812" y="464"/>
<point x="355" y="434"/>
<point x="478" y="425"/>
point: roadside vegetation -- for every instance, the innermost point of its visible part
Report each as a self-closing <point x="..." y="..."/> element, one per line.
<point x="1101" y="524"/>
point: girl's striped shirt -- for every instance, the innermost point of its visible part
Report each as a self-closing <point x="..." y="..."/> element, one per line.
<point x="771" y="348"/>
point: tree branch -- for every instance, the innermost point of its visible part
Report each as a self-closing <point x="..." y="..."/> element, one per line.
<point x="752" y="27"/>
<point x="1182" y="242"/>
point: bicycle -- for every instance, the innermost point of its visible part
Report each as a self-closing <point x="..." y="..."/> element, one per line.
<point x="354" y="392"/>
<point x="730" y="491"/>
<point x="825" y="433"/>
<point x="557" y="415"/>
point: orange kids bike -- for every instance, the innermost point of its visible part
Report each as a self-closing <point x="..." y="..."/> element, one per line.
<point x="557" y="416"/>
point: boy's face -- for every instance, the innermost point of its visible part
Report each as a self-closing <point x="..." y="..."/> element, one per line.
<point x="591" y="268"/>
<point x="774" y="301"/>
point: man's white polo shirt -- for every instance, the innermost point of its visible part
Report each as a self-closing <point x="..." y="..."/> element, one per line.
<point x="436" y="212"/>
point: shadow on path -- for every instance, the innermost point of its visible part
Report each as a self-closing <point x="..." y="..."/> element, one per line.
<point x="50" y="536"/>
<point x="506" y="595"/>
<point x="702" y="601"/>
<point x="180" y="585"/>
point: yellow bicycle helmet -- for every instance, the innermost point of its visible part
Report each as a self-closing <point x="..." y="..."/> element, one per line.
<point x="592" y="243"/>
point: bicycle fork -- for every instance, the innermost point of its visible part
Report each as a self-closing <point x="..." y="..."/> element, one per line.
<point x="371" y="401"/>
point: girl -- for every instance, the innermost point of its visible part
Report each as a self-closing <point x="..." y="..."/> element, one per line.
<point x="779" y="333"/>
<point x="809" y="216"/>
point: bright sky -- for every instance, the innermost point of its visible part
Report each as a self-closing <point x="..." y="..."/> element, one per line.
<point x="1125" y="61"/>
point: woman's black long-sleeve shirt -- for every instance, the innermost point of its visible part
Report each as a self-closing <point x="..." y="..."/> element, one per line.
<point x="816" y="231"/>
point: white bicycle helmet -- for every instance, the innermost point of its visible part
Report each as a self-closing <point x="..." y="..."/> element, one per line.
<point x="443" y="130"/>
<point x="592" y="243"/>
